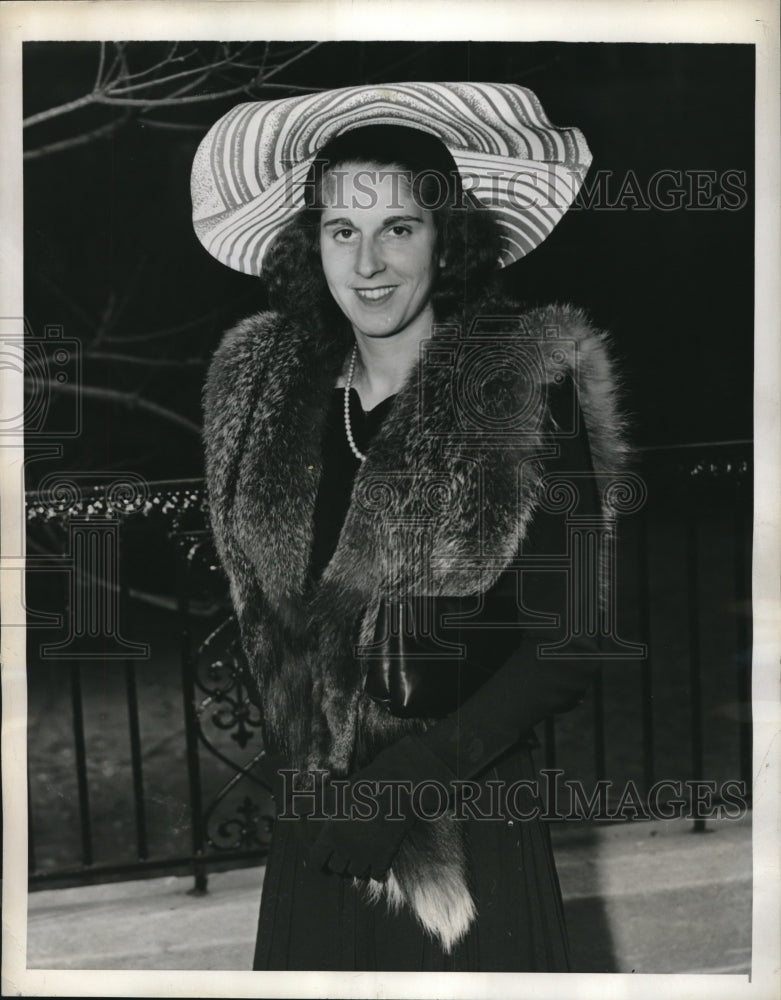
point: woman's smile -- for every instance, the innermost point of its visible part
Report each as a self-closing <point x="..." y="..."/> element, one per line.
<point x="375" y="296"/>
<point x="378" y="249"/>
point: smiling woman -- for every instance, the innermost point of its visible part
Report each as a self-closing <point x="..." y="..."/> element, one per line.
<point x="385" y="451"/>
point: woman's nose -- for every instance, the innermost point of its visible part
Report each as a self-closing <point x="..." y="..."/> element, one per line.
<point x="368" y="261"/>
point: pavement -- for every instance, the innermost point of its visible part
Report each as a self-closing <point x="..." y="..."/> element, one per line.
<point x="648" y="897"/>
<point x="657" y="897"/>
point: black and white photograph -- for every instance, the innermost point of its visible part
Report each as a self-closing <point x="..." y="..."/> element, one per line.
<point x="389" y="456"/>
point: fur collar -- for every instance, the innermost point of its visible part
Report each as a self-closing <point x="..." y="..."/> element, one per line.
<point x="437" y="453"/>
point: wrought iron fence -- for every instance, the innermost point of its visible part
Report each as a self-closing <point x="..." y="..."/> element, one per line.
<point x="84" y="526"/>
<point x="687" y="552"/>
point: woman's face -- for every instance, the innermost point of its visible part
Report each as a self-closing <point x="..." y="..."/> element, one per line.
<point x="378" y="249"/>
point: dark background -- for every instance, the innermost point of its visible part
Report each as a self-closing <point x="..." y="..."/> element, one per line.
<point x="110" y="253"/>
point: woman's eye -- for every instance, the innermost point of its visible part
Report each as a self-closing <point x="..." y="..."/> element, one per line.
<point x="400" y="230"/>
<point x="343" y="235"/>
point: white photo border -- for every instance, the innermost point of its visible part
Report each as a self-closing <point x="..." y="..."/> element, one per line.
<point x="705" y="21"/>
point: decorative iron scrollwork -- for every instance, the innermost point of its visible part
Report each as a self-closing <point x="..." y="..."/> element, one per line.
<point x="222" y="675"/>
<point x="248" y="828"/>
<point x="227" y="692"/>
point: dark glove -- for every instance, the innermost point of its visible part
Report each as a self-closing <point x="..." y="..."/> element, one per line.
<point x="381" y="803"/>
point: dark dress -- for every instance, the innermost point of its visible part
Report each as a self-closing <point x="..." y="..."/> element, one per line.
<point x="311" y="920"/>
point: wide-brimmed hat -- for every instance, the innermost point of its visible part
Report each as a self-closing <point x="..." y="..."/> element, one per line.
<point x="248" y="173"/>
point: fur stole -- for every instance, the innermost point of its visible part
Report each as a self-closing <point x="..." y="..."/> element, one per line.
<point x="440" y="506"/>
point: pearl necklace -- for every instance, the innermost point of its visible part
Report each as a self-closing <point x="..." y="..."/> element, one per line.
<point x="350" y="439"/>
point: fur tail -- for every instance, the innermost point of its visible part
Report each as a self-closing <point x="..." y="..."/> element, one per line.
<point x="429" y="875"/>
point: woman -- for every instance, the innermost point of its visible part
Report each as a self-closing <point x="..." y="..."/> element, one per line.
<point x="392" y="443"/>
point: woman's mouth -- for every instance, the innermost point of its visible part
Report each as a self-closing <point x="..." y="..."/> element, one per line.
<point x="374" y="295"/>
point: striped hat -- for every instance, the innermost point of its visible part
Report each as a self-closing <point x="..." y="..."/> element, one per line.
<point x="248" y="173"/>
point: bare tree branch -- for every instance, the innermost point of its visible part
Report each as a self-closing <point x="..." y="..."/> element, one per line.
<point x="106" y="317"/>
<point x="131" y="400"/>
<point x="61" y="109"/>
<point x="201" y="608"/>
<point x="216" y="316"/>
<point x="169" y="59"/>
<point x="65" y="296"/>
<point x="101" y="64"/>
<point x="290" y="61"/>
<point x="119" y="55"/>
<point x="385" y="72"/>
<point x="165" y="79"/>
<point x="173" y="126"/>
<point x="153" y="362"/>
<point x="159" y="81"/>
<point x="168" y="102"/>
<point x="76" y="140"/>
<point x="261" y="69"/>
<point x="212" y="77"/>
<point x="292" y="87"/>
<point x="129" y="293"/>
<point x="191" y="85"/>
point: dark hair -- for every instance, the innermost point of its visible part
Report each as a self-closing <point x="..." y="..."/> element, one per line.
<point x="468" y="236"/>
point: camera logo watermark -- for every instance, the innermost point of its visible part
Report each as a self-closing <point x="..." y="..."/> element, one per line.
<point x="497" y="376"/>
<point x="51" y="365"/>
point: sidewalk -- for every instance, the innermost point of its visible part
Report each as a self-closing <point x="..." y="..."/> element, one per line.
<point x="656" y="897"/>
<point x="642" y="897"/>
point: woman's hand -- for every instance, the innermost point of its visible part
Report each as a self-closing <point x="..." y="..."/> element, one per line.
<point x="368" y="815"/>
<point x="357" y="846"/>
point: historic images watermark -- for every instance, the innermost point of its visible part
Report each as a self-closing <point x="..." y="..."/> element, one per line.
<point x="545" y="186"/>
<point x="549" y="797"/>
<point x="666" y="190"/>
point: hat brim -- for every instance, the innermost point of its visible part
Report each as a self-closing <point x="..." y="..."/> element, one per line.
<point x="248" y="172"/>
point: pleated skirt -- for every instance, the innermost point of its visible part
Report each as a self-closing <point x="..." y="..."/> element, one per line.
<point x="311" y="921"/>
